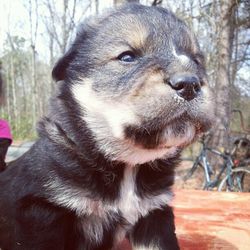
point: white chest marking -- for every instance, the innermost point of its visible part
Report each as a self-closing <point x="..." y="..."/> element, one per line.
<point x="132" y="207"/>
<point x="145" y="248"/>
<point x="99" y="213"/>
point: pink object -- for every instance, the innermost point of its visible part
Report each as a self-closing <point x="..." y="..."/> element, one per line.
<point x="5" y="130"/>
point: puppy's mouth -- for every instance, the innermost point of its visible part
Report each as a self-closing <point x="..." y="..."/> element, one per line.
<point x="178" y="133"/>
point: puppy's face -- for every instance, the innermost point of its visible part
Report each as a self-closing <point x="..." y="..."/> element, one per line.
<point x="241" y="149"/>
<point x="139" y="77"/>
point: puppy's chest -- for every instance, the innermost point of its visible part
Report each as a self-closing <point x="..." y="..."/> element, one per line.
<point x="96" y="215"/>
<point x="129" y="204"/>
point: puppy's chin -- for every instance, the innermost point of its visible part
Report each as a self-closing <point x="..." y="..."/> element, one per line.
<point x="177" y="135"/>
<point x="141" y="145"/>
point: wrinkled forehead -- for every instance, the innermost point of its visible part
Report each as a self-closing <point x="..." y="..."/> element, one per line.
<point x="149" y="29"/>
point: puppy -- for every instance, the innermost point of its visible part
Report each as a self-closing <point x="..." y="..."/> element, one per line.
<point x="132" y="93"/>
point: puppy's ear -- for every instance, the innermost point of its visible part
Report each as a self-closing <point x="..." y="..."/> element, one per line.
<point x="85" y="30"/>
<point x="59" y="71"/>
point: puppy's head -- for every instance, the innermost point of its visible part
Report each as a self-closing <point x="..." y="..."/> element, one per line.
<point x="139" y="78"/>
<point x="241" y="150"/>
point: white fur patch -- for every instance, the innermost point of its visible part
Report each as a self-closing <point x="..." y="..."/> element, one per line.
<point x="145" y="248"/>
<point x="184" y="137"/>
<point x="135" y="155"/>
<point x="129" y="204"/>
<point x="113" y="115"/>
<point x="183" y="59"/>
<point x="132" y="206"/>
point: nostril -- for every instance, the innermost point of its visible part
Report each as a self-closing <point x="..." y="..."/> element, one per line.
<point x="197" y="86"/>
<point x="180" y="86"/>
<point x="177" y="86"/>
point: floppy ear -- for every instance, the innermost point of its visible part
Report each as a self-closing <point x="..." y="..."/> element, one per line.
<point x="59" y="71"/>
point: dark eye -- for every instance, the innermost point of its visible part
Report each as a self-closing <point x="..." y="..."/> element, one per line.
<point x="198" y="59"/>
<point x="236" y="142"/>
<point x="127" y="56"/>
<point x="197" y="62"/>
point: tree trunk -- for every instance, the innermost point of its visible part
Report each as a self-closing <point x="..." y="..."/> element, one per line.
<point x="222" y="80"/>
<point x="33" y="36"/>
<point x="97" y="6"/>
<point x="13" y="88"/>
<point x="64" y="27"/>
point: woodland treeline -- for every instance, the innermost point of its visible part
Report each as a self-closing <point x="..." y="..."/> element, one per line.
<point x="222" y="28"/>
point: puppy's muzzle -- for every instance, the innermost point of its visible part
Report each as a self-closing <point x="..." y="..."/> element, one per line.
<point x="186" y="86"/>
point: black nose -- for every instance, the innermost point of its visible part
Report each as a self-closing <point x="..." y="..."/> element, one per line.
<point x="186" y="86"/>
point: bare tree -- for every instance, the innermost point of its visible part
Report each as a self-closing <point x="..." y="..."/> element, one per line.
<point x="97" y="6"/>
<point x="222" y="79"/>
<point x="33" y="21"/>
<point x="60" y="25"/>
<point x="118" y="2"/>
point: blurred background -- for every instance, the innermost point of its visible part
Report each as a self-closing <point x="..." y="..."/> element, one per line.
<point x="35" y="33"/>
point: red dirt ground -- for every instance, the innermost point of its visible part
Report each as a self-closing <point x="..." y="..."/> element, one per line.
<point x="210" y="220"/>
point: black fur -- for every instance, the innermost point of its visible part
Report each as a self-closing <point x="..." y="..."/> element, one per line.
<point x="158" y="226"/>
